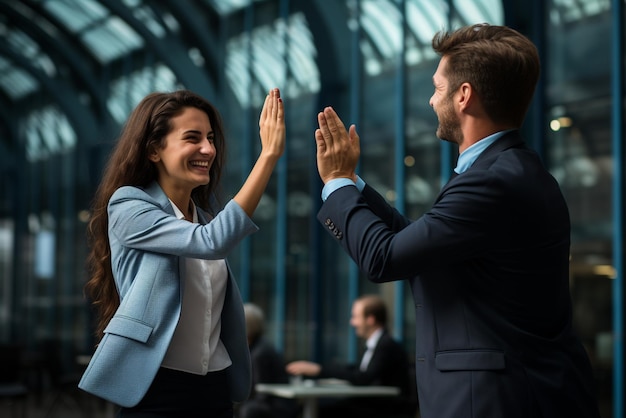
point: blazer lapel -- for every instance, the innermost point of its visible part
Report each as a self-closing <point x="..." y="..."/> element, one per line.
<point x="154" y="190"/>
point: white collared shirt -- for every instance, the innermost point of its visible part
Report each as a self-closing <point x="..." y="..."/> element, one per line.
<point x="371" y="344"/>
<point x="196" y="346"/>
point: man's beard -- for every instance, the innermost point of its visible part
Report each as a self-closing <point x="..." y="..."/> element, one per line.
<point x="449" y="128"/>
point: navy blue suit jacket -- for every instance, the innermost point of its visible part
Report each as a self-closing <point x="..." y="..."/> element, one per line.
<point x="488" y="265"/>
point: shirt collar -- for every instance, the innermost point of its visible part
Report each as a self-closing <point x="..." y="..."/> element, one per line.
<point x="467" y="157"/>
<point x="373" y="339"/>
<point x="179" y="214"/>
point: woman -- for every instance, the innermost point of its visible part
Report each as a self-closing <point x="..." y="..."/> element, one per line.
<point x="171" y="322"/>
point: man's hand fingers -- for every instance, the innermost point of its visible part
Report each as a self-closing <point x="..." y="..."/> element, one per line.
<point x="335" y="125"/>
<point x="324" y="131"/>
<point x="319" y="141"/>
<point x="331" y="127"/>
<point x="354" y="136"/>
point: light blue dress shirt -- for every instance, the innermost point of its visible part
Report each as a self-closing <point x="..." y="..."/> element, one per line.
<point x="467" y="157"/>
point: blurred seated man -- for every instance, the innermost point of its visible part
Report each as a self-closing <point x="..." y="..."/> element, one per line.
<point x="267" y="367"/>
<point x="384" y="363"/>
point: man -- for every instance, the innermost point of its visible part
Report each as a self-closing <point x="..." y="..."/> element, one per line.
<point x="384" y="362"/>
<point x="488" y="263"/>
<point x="267" y="367"/>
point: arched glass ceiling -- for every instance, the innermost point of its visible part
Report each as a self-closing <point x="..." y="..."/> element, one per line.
<point x="105" y="35"/>
<point x="477" y="11"/>
<point x="14" y="81"/>
<point x="381" y="21"/>
<point x="225" y="7"/>
<point x="47" y="131"/>
<point x="564" y="11"/>
<point x="127" y="91"/>
<point x="109" y="36"/>
<point x="250" y="77"/>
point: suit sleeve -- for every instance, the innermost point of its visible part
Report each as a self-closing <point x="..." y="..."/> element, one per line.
<point x="387" y="246"/>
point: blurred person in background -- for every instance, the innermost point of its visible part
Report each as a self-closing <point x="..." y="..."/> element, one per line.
<point x="384" y="363"/>
<point x="268" y="366"/>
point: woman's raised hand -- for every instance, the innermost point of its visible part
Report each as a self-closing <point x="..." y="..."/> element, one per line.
<point x="272" y="133"/>
<point x="272" y="125"/>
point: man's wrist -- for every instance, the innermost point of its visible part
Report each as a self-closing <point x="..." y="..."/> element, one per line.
<point x="335" y="184"/>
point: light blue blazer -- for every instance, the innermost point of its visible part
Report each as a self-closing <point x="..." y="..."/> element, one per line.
<point x="147" y="243"/>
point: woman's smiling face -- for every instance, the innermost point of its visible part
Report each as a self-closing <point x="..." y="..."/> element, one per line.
<point x="186" y="158"/>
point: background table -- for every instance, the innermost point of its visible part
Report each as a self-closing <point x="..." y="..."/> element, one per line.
<point x="309" y="392"/>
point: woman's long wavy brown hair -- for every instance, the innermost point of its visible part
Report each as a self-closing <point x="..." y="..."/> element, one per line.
<point x="129" y="165"/>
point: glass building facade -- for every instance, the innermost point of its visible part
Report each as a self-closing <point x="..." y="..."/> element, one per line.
<point x="71" y="71"/>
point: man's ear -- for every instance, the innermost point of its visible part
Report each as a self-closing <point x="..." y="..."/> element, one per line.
<point x="469" y="102"/>
<point x="465" y="96"/>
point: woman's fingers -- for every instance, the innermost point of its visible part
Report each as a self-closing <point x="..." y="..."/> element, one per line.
<point x="273" y="108"/>
<point x="264" y="110"/>
<point x="272" y="124"/>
